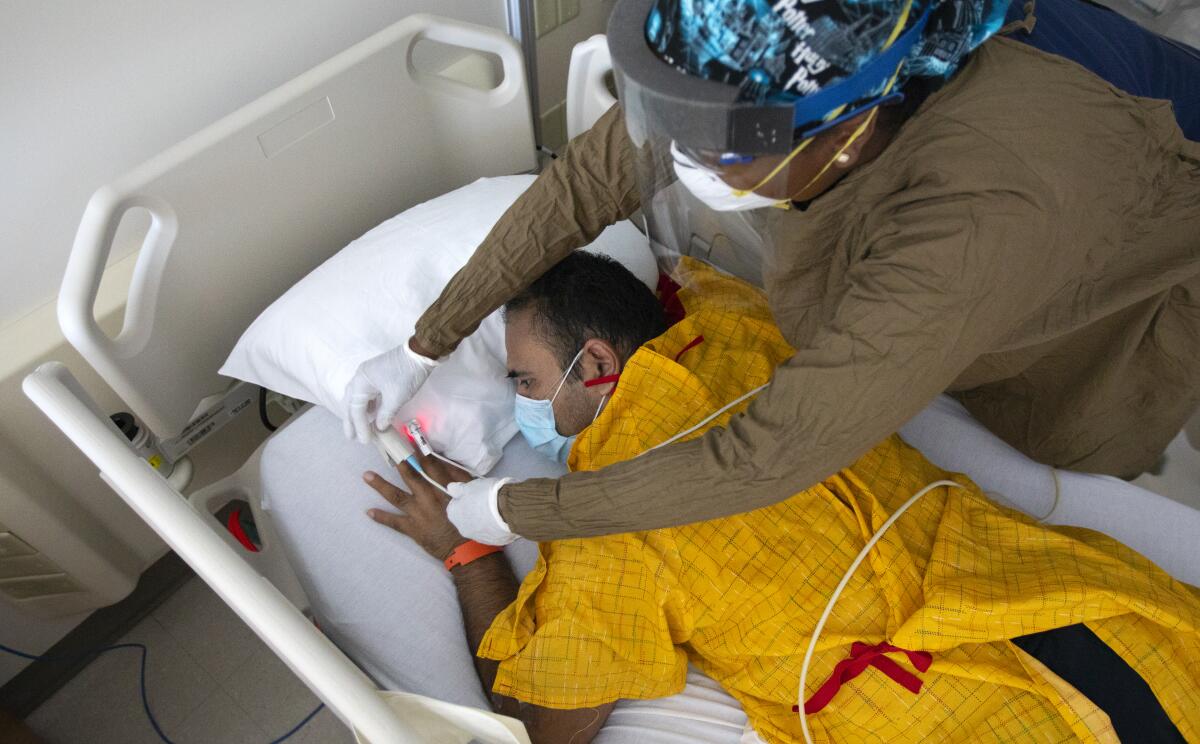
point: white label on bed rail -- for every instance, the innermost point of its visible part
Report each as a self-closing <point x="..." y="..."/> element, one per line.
<point x="239" y="398"/>
<point x="296" y="127"/>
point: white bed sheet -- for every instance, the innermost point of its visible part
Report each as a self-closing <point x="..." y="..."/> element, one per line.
<point x="1165" y="531"/>
<point x="392" y="608"/>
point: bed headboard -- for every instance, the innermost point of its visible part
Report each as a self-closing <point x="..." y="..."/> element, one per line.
<point x="246" y="207"/>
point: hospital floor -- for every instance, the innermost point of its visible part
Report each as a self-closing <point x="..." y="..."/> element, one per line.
<point x="211" y="681"/>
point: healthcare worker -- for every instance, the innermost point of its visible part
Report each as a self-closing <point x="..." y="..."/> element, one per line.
<point x="926" y="212"/>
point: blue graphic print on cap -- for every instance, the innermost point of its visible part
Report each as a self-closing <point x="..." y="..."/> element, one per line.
<point x="780" y="50"/>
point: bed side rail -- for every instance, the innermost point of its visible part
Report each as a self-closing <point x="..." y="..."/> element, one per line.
<point x="587" y="95"/>
<point x="245" y="207"/>
<point x="310" y="655"/>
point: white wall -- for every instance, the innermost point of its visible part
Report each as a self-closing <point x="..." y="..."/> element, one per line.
<point x="554" y="54"/>
<point x="91" y="90"/>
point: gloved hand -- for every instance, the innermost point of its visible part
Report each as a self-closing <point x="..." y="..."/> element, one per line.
<point x="475" y="511"/>
<point x="389" y="381"/>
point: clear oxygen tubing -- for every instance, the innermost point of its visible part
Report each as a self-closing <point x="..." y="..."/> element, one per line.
<point x="833" y="598"/>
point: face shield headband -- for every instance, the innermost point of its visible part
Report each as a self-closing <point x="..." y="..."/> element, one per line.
<point x="704" y="115"/>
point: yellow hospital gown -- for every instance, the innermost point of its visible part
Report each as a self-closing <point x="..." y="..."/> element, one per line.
<point x="604" y="618"/>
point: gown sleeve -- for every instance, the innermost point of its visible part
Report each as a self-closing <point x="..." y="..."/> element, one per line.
<point x="591" y="186"/>
<point x="930" y="294"/>
<point x="594" y="622"/>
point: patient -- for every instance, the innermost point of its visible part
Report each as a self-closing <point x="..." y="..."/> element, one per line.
<point x="966" y="622"/>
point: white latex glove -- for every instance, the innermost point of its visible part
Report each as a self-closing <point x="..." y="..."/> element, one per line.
<point x="388" y="381"/>
<point x="474" y="509"/>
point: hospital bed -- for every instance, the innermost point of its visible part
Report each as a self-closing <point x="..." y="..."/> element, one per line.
<point x="246" y="208"/>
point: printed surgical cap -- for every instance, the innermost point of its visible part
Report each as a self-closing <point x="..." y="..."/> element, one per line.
<point x="784" y="49"/>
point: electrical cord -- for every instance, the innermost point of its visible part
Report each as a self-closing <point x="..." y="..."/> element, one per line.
<point x="262" y="410"/>
<point x="416" y="465"/>
<point x="837" y="592"/>
<point x="716" y="413"/>
<point x="448" y="461"/>
<point x="142" y="684"/>
<point x="431" y="481"/>
<point x="1057" y="495"/>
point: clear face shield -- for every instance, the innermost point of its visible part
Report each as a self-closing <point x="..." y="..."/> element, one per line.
<point x="715" y="173"/>
<point x="681" y="221"/>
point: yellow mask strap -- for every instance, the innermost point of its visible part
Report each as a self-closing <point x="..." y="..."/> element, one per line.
<point x="903" y="19"/>
<point x="775" y="170"/>
<point x="783" y="164"/>
<point x="857" y="133"/>
<point x="833" y="115"/>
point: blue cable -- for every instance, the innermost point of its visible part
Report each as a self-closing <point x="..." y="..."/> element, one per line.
<point x="300" y="725"/>
<point x="142" y="684"/>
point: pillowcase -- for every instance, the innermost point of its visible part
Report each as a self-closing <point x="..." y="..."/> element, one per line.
<point x="367" y="298"/>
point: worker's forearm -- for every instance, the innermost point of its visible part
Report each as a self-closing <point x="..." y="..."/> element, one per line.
<point x="680" y="484"/>
<point x="485" y="587"/>
<point x="791" y="438"/>
<point x="897" y="340"/>
<point x="589" y="188"/>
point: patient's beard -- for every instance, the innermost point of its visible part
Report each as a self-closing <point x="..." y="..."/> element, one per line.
<point x="578" y="408"/>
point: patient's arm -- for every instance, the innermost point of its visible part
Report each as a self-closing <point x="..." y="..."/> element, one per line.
<point x="485" y="587"/>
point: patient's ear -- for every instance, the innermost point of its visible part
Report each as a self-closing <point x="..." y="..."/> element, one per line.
<point x="599" y="359"/>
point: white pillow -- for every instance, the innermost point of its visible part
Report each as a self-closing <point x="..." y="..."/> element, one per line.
<point x="366" y="299"/>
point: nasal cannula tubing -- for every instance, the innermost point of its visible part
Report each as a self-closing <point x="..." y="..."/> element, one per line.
<point x="833" y="598"/>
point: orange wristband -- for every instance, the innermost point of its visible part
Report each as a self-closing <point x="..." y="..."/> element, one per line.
<point x="469" y="551"/>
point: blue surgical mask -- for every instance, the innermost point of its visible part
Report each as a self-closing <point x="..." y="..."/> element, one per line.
<point x="535" y="419"/>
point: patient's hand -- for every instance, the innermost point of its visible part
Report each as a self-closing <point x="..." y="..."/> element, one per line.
<point x="422" y="510"/>
<point x="442" y="471"/>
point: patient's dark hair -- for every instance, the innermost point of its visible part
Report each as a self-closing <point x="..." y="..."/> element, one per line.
<point x="589" y="296"/>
